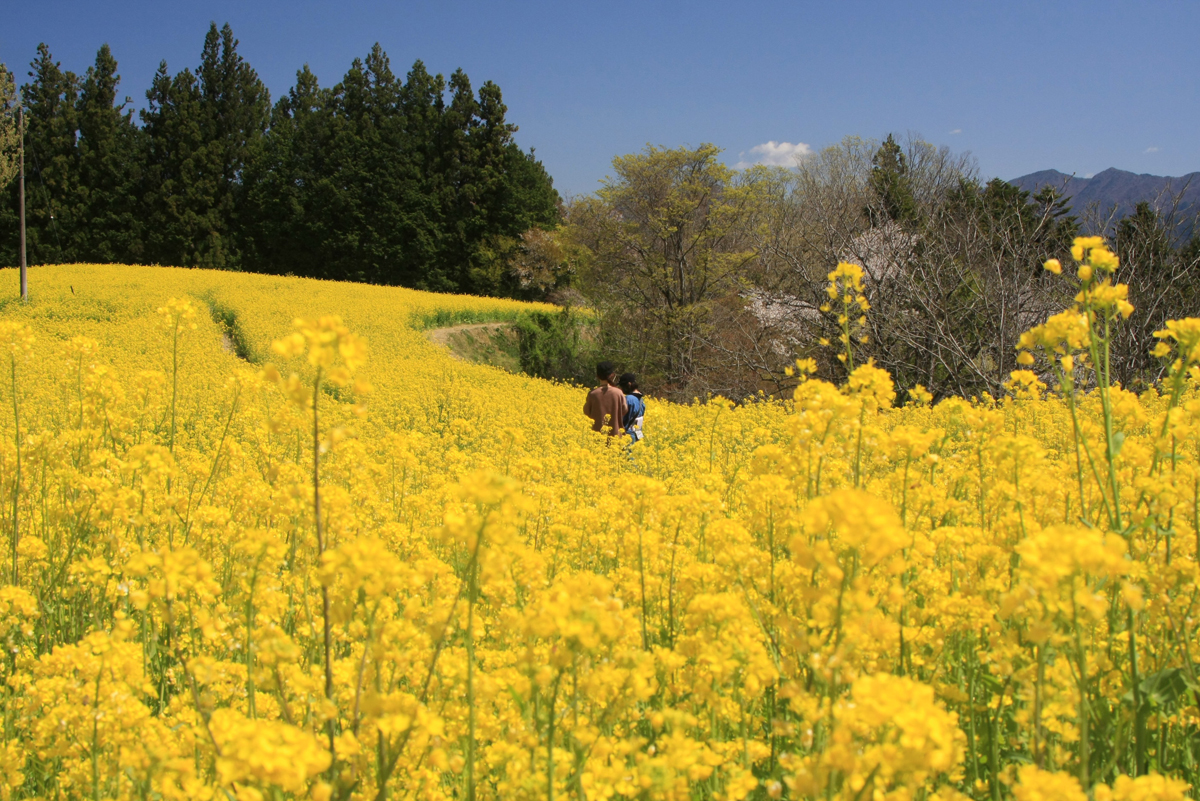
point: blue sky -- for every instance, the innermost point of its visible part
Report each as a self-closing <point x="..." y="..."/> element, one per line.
<point x="1024" y="86"/>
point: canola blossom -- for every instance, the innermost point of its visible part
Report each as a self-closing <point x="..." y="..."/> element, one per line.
<point x="260" y="539"/>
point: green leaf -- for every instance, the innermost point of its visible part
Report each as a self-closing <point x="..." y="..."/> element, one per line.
<point x="1161" y="691"/>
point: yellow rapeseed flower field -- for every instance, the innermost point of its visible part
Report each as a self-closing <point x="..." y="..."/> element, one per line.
<point x="260" y="539"/>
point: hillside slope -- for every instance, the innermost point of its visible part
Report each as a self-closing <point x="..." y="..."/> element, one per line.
<point x="230" y="569"/>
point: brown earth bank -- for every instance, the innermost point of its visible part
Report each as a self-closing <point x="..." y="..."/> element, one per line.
<point x="481" y="343"/>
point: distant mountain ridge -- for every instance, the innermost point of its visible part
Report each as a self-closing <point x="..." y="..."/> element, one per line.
<point x="1121" y="189"/>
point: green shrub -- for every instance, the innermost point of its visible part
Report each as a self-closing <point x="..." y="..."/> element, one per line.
<point x="558" y="345"/>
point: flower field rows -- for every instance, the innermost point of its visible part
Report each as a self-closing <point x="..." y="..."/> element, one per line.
<point x="250" y="556"/>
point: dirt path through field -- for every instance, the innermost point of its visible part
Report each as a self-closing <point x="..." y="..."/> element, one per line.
<point x="441" y="336"/>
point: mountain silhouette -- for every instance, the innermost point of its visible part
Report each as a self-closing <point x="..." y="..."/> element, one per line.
<point x="1122" y="190"/>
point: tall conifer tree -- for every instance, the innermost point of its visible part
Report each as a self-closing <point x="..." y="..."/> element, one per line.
<point x="421" y="213"/>
<point x="179" y="190"/>
<point x="9" y="167"/>
<point x="109" y="169"/>
<point x="202" y="129"/>
<point x="284" y="220"/>
<point x="889" y="181"/>
<point x="52" y="208"/>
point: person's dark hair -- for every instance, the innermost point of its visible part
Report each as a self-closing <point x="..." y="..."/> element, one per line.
<point x="627" y="382"/>
<point x="605" y="369"/>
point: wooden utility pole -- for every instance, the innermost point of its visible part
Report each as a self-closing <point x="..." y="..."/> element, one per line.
<point x="21" y="203"/>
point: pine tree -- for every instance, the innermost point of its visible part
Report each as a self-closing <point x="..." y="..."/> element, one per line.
<point x="455" y="183"/>
<point x="363" y="107"/>
<point x="178" y="190"/>
<point x="236" y="108"/>
<point x="421" y="215"/>
<point x="202" y="129"/>
<point x="379" y="163"/>
<point x="285" y="216"/>
<point x="889" y="182"/>
<point x="109" y="147"/>
<point x="53" y="212"/>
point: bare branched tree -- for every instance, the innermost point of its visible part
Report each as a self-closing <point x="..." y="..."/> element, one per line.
<point x="952" y="268"/>
<point x="1162" y="271"/>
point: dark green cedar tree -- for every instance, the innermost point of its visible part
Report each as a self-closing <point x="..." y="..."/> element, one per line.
<point x="889" y="182"/>
<point x="53" y="213"/>
<point x="110" y="157"/>
<point x="202" y="127"/>
<point x="416" y="183"/>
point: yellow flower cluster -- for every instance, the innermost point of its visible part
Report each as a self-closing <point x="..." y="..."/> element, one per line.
<point x="846" y="289"/>
<point x="243" y="556"/>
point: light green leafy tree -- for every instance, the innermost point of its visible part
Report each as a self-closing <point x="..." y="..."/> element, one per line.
<point x="9" y="134"/>
<point x="667" y="241"/>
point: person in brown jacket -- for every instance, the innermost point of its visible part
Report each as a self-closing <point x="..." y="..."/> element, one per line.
<point x="606" y="403"/>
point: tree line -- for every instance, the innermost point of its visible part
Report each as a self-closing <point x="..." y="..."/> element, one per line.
<point x="706" y="280"/>
<point x="415" y="182"/>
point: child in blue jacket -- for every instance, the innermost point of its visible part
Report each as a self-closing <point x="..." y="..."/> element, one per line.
<point x="637" y="406"/>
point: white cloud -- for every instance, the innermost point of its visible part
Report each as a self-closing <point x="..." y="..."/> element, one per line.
<point x="1150" y="150"/>
<point x="956" y="131"/>
<point x="773" y="154"/>
<point x="1089" y="175"/>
